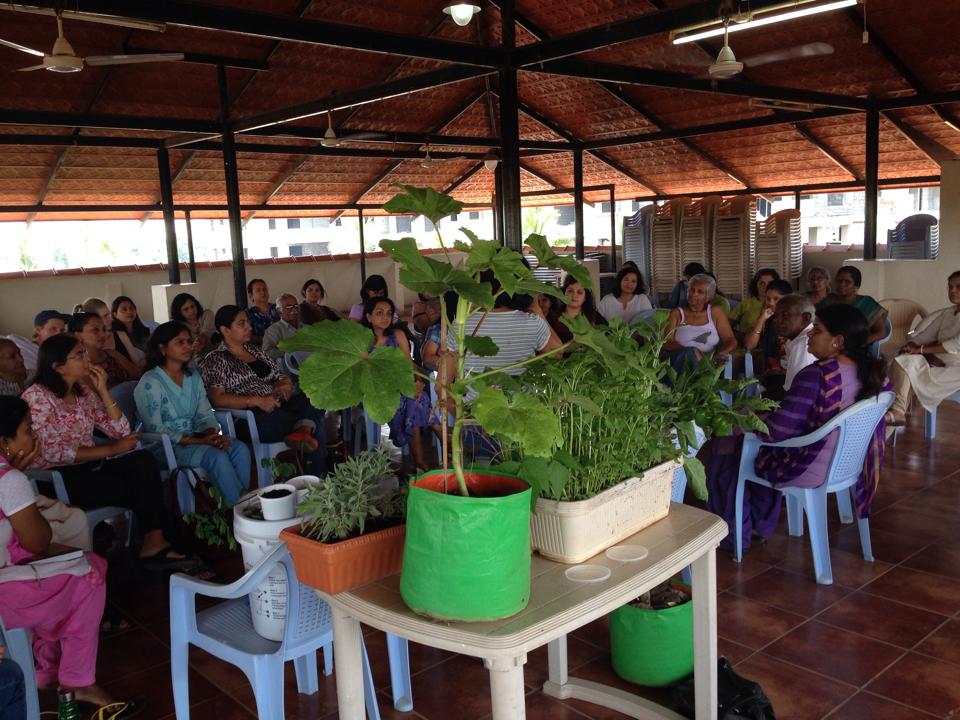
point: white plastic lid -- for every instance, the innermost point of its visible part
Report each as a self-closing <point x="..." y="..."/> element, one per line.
<point x="587" y="573"/>
<point x="627" y="553"/>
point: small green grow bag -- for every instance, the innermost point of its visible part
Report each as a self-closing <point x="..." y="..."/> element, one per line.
<point x="467" y="558"/>
<point x="652" y="647"/>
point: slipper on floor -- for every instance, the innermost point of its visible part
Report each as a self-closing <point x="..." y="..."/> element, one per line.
<point x="163" y="559"/>
<point x="113" y="625"/>
<point x="890" y="420"/>
<point x="120" y="710"/>
<point x="203" y="571"/>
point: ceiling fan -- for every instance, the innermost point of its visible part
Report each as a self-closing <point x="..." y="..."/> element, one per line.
<point x="330" y="138"/>
<point x="63" y="58"/>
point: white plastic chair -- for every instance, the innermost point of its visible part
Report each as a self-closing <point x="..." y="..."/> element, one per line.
<point x="226" y="632"/>
<point x="888" y="332"/>
<point x="855" y="427"/>
<point x="261" y="450"/>
<point x="19" y="646"/>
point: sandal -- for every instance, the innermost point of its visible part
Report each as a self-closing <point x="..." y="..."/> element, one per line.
<point x="114" y="625"/>
<point x="890" y="420"/>
<point x="119" y="710"/>
<point x="202" y="571"/>
<point x="162" y="559"/>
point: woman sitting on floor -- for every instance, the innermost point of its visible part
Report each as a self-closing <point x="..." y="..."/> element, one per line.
<point x="67" y="401"/>
<point x="844" y="374"/>
<point x="239" y="375"/>
<point x="171" y="399"/>
<point x="61" y="602"/>
<point x="930" y="363"/>
<point x="699" y="328"/>
<point x="89" y="329"/>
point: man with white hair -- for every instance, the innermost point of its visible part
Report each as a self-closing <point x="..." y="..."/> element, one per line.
<point x="793" y="320"/>
<point x="287" y="326"/>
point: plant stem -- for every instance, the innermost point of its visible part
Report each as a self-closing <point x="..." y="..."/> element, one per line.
<point x="460" y="321"/>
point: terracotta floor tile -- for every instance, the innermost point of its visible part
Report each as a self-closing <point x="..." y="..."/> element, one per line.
<point x="536" y="671"/>
<point x="944" y="644"/>
<point x="921" y="682"/>
<point x="220" y="707"/>
<point x="751" y="623"/>
<point x="297" y="706"/>
<point x="908" y="523"/>
<point x="790" y="591"/>
<point x="938" y="558"/>
<point x="849" y="570"/>
<point x="130" y="652"/>
<point x="852" y="658"/>
<point x="601" y="671"/>
<point x="460" y="682"/>
<point x="887" y="546"/>
<point x="548" y="708"/>
<point x="732" y="651"/>
<point x="155" y="687"/>
<point x="730" y="572"/>
<point x="867" y="706"/>
<point x="930" y="592"/>
<point x="882" y="619"/>
<point x="421" y="658"/>
<point x="596" y="633"/>
<point x="795" y="693"/>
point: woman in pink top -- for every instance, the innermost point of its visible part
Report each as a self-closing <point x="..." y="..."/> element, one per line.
<point x="68" y="400"/>
<point x="62" y="601"/>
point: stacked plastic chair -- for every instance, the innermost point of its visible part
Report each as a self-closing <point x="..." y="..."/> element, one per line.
<point x="778" y="244"/>
<point x="696" y="231"/>
<point x="914" y="238"/>
<point x="733" y="245"/>
<point x="664" y="253"/>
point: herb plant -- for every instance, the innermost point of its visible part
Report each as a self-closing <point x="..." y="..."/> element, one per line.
<point x="280" y="471"/>
<point x="341" y="504"/>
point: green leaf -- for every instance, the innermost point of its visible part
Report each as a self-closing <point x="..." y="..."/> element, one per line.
<point x="522" y="419"/>
<point x="341" y="373"/>
<point x="596" y="338"/>
<point x="423" y="201"/>
<point x="419" y="273"/>
<point x="546" y="476"/>
<point x="535" y="287"/>
<point x="696" y="476"/>
<point x="481" y="345"/>
<point x="585" y="403"/>
<point x="548" y="258"/>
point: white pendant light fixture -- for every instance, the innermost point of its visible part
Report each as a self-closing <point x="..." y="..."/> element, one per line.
<point x="491" y="160"/>
<point x="461" y="12"/>
<point x="790" y="11"/>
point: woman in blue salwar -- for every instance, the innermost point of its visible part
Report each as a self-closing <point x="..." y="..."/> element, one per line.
<point x="171" y="399"/>
<point x="843" y="374"/>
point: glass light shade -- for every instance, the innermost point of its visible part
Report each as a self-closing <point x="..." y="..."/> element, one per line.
<point x="461" y="12"/>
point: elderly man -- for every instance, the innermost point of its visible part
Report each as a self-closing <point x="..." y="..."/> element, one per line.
<point x="793" y="320"/>
<point x="287" y="326"/>
<point x="46" y="324"/>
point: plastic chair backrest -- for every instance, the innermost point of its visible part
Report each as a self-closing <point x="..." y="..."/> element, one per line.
<point x="857" y="424"/>
<point x="122" y="394"/>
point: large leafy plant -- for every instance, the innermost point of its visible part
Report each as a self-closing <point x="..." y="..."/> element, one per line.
<point x="342" y="371"/>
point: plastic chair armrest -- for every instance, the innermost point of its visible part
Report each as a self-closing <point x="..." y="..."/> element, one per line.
<point x="185" y="585"/>
<point x="164" y="440"/>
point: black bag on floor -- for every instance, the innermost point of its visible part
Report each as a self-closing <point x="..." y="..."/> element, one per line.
<point x="204" y="521"/>
<point x="737" y="697"/>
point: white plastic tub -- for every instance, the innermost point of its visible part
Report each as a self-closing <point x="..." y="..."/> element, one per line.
<point x="571" y="532"/>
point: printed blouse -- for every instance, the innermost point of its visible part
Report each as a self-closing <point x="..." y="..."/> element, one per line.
<point x="222" y="369"/>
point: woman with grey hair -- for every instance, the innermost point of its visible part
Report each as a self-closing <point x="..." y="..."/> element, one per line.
<point x="818" y="282"/>
<point x="698" y="328"/>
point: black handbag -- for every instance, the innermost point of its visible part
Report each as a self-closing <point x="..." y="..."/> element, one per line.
<point x="737" y="697"/>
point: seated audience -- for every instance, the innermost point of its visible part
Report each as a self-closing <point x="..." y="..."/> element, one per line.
<point x="678" y="295"/>
<point x="13" y="373"/>
<point x="579" y="302"/>
<point x="929" y="364"/>
<point x="719" y="300"/>
<point x="61" y="603"/>
<point x="239" y="375"/>
<point x="126" y="319"/>
<point x="698" y="328"/>
<point x="45" y="324"/>
<point x="430" y="350"/>
<point x="262" y="313"/>
<point x="818" y="282"/>
<point x="287" y="326"/>
<point x="312" y="309"/>
<point x="424" y="314"/>
<point x="627" y="299"/>
<point x="68" y="400"/>
<point x="171" y="399"/>
<point x="89" y="329"/>
<point x="767" y="340"/>
<point x="843" y="374"/>
<point x="793" y="320"/>
<point x="744" y="316"/>
<point x="373" y="286"/>
<point x="121" y="342"/>
<point x="847" y="292"/>
<point x="186" y="309"/>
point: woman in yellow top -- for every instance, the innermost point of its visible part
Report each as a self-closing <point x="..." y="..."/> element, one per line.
<point x="745" y="315"/>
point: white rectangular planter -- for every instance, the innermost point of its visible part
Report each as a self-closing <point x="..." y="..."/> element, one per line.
<point x="571" y="532"/>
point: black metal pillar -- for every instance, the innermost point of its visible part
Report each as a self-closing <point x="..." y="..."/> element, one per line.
<point x="191" y="261"/>
<point x="871" y="185"/>
<point x="613" y="231"/>
<point x="510" y="135"/>
<point x="498" y="203"/>
<point x="363" y="248"/>
<point x="232" y="180"/>
<point x="796" y="199"/>
<point x="166" y="198"/>
<point x="578" y="201"/>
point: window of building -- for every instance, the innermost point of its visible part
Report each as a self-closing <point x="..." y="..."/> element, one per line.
<point x="634" y="205"/>
<point x="605" y="207"/>
<point x="473" y="215"/>
<point x="566" y="215"/>
<point x="427" y="225"/>
<point x="273" y="252"/>
<point x="293" y="223"/>
<point x="404" y="224"/>
<point x="272" y="224"/>
<point x="835" y="199"/>
<point x="338" y="223"/>
<point x="296" y="250"/>
<point x="453" y="218"/>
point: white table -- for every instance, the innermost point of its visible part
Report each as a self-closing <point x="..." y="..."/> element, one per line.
<point x="557" y="606"/>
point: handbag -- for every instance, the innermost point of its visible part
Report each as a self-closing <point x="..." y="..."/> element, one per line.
<point x="203" y="518"/>
<point x="737" y="697"/>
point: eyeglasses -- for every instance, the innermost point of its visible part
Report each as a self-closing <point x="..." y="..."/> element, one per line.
<point x="79" y="355"/>
<point x="290" y="307"/>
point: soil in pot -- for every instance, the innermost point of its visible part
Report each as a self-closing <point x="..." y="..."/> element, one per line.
<point x="275" y="494"/>
<point x="467" y="558"/>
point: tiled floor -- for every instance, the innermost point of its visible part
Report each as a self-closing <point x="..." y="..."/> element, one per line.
<point x="882" y="643"/>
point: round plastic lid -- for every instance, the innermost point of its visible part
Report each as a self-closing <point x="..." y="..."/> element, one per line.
<point x="587" y="573"/>
<point x="627" y="553"/>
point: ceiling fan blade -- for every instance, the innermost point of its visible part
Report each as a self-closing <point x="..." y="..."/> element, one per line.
<point x="799" y="51"/>
<point x="88" y="17"/>
<point x="361" y="136"/>
<point x="100" y="60"/>
<point x="21" y="48"/>
<point x="32" y="67"/>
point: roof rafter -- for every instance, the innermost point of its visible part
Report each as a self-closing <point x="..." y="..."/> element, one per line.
<point x="831" y="155"/>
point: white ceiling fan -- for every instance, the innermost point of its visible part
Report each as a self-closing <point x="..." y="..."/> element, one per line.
<point x="63" y="58"/>
<point x="330" y="138"/>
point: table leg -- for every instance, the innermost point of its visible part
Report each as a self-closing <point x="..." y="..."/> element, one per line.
<point x="557" y="660"/>
<point x="346" y="647"/>
<point x="705" y="635"/>
<point x="507" y="691"/>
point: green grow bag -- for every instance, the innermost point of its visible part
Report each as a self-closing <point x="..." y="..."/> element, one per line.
<point x="467" y="558"/>
<point x="652" y="647"/>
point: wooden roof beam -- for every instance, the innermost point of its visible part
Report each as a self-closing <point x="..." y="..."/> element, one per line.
<point x="817" y="143"/>
<point x="278" y="185"/>
<point x="934" y="151"/>
<point x="813" y="188"/>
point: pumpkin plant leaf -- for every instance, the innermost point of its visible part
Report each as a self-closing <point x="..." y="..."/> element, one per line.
<point x="548" y="258"/>
<point x="696" y="476"/>
<point x="481" y="345"/>
<point x="522" y="419"/>
<point x="423" y="201"/>
<point x="546" y="477"/>
<point x="419" y="273"/>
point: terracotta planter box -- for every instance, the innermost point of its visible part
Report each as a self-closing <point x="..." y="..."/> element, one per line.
<point x="348" y="564"/>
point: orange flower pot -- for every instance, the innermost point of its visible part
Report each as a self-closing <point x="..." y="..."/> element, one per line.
<point x="348" y="564"/>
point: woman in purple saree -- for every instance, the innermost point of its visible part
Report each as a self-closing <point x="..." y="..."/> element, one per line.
<point x="843" y="374"/>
